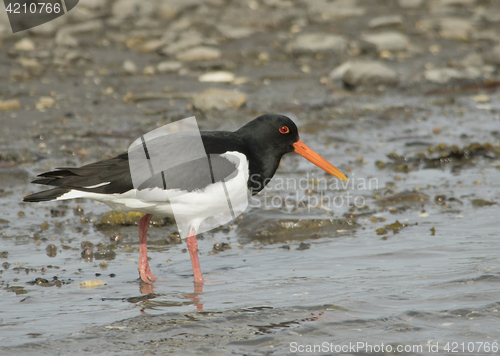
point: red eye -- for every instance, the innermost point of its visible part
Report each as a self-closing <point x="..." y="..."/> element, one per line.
<point x="284" y="129"/>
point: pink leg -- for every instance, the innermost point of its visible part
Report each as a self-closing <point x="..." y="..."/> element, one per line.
<point x="144" y="271"/>
<point x="193" y="252"/>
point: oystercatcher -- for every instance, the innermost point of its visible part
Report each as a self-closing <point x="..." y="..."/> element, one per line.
<point x="259" y="144"/>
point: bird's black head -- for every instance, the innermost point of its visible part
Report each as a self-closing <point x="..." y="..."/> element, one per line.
<point x="270" y="133"/>
<point x="267" y="139"/>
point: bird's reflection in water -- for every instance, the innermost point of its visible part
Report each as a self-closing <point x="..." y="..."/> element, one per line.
<point x="198" y="289"/>
<point x="148" y="288"/>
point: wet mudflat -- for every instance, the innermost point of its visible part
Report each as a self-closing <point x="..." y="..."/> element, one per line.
<point x="405" y="253"/>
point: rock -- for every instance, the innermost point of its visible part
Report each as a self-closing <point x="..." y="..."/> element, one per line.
<point x="274" y="226"/>
<point x="472" y="60"/>
<point x="411" y="4"/>
<point x="219" y="99"/>
<point x="24" y="44"/>
<point x="493" y="56"/>
<point x="65" y="35"/>
<point x="151" y="46"/>
<point x="337" y="9"/>
<point x="28" y="62"/>
<point x="219" y="76"/>
<point x="455" y="28"/>
<point x="386" y="21"/>
<point x="80" y="14"/>
<point x="479" y="203"/>
<point x="129" y="67"/>
<point x="339" y="72"/>
<point x="115" y="218"/>
<point x="105" y="255"/>
<point x="200" y="53"/>
<point x="169" y="9"/>
<point x="317" y="42"/>
<point x="369" y="73"/>
<point x="168" y="66"/>
<point x="45" y="102"/>
<point x="234" y="33"/>
<point x="64" y="38"/>
<point x="481" y="98"/>
<point x="85" y="27"/>
<point x="123" y="9"/>
<point x="406" y="198"/>
<point x="387" y="41"/>
<point x="93" y="4"/>
<point x="92" y="283"/>
<point x="186" y="40"/>
<point x="444" y="75"/>
<point x="182" y="24"/>
<point x="9" y="104"/>
<point x="490" y="36"/>
<point x="149" y="70"/>
<point x="456" y="2"/>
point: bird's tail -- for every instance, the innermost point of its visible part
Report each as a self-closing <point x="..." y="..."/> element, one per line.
<point x="46" y="195"/>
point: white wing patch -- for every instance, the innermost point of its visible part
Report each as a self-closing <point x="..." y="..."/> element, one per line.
<point x="97" y="185"/>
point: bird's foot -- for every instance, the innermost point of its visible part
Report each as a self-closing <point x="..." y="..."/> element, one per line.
<point x="146" y="274"/>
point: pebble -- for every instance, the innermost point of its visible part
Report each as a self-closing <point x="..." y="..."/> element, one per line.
<point x="200" y="53"/>
<point x="168" y="66"/>
<point x="24" y="44"/>
<point x="219" y="99"/>
<point x="455" y="28"/>
<point x="123" y="9"/>
<point x="481" y="98"/>
<point x="493" y="56"/>
<point x="317" y="42"/>
<point x="387" y="41"/>
<point x="455" y="2"/>
<point x="337" y="9"/>
<point x="411" y="4"/>
<point x="64" y="38"/>
<point x="385" y="21"/>
<point x="472" y="60"/>
<point x="87" y="254"/>
<point x="234" y="33"/>
<point x="444" y="75"/>
<point x="129" y="67"/>
<point x="51" y="250"/>
<point x="303" y="246"/>
<point x="149" y="70"/>
<point x="221" y="246"/>
<point x="339" y="72"/>
<point x="92" y="283"/>
<point x="217" y="77"/>
<point x="369" y="73"/>
<point x="187" y="40"/>
<point x="105" y="255"/>
<point x="45" y="102"/>
<point x="12" y="104"/>
<point x="479" y="203"/>
<point x="84" y="27"/>
<point x="151" y="46"/>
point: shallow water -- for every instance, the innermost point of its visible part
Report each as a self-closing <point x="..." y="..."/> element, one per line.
<point x="414" y="287"/>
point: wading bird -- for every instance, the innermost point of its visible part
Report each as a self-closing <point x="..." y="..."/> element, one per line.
<point x="258" y="145"/>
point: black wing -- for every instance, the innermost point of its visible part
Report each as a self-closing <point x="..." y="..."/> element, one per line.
<point x="113" y="175"/>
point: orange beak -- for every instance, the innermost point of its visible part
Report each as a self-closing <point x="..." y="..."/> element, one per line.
<point x="315" y="158"/>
